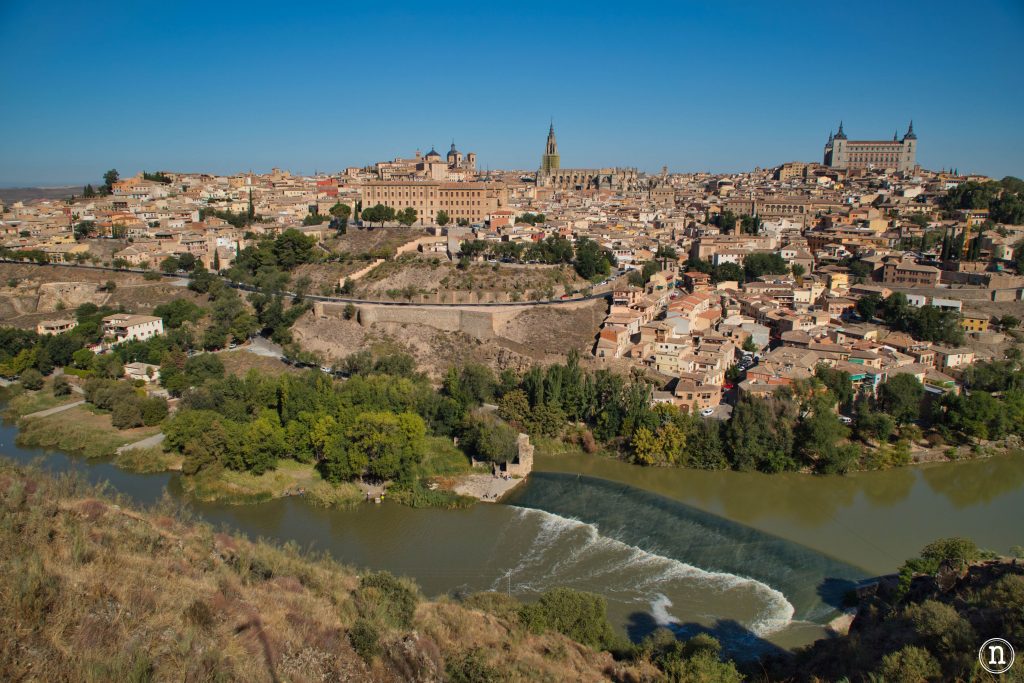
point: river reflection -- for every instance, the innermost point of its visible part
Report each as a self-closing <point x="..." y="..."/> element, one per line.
<point x="873" y="520"/>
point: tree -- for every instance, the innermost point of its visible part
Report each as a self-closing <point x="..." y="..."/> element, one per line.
<point x="109" y="178"/>
<point x="760" y="435"/>
<point x="443" y="218"/>
<point x="868" y="305"/>
<point x="406" y="216"/>
<point x="175" y="313"/>
<point x="591" y="261"/>
<point x="798" y="270"/>
<point x="292" y="248"/>
<point x="378" y="214"/>
<point x="88" y="192"/>
<point x="900" y="397"/>
<point x="127" y="414"/>
<point x="1009" y="322"/>
<point x="341" y="211"/>
<point x="385" y="446"/>
<point x="911" y="664"/>
<point x="61" y="386"/>
<point x="31" y="379"/>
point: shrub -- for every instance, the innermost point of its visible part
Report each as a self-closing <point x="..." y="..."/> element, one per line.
<point x="909" y="665"/>
<point x="31" y="379"/>
<point x="578" y="615"/>
<point x="127" y="414"/>
<point x="154" y="410"/>
<point x="472" y="668"/>
<point x="389" y="599"/>
<point x="61" y="386"/>
<point x="365" y="639"/>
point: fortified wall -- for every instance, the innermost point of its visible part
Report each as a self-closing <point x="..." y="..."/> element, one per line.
<point x="480" y="323"/>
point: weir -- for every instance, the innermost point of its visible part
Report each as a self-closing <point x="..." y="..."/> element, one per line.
<point x="812" y="582"/>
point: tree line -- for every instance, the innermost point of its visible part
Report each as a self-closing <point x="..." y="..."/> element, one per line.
<point x="587" y="257"/>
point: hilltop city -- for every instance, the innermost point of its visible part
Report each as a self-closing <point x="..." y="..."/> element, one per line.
<point x="721" y="284"/>
<point x="433" y="334"/>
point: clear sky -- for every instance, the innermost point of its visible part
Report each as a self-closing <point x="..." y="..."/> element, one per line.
<point x="696" y="86"/>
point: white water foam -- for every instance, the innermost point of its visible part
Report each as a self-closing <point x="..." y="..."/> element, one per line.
<point x="576" y="541"/>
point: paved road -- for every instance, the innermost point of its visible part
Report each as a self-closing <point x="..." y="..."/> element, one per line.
<point x="54" y="411"/>
<point x="148" y="442"/>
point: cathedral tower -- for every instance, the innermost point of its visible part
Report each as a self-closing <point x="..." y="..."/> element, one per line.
<point x="550" y="161"/>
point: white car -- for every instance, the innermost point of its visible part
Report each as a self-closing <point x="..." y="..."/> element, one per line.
<point x="707" y="412"/>
<point x="846" y="420"/>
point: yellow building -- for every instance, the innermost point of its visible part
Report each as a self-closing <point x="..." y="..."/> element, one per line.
<point x="974" y="323"/>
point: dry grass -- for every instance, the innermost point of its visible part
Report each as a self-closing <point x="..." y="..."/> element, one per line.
<point x="240" y="362"/>
<point x="82" y="430"/>
<point x="229" y="486"/>
<point x="24" y="402"/>
<point x="190" y="604"/>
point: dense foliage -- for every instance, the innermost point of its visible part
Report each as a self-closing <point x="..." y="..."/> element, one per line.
<point x="1003" y="198"/>
<point x="927" y="625"/>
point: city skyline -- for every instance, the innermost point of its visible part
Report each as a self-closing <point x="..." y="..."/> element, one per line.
<point x="694" y="88"/>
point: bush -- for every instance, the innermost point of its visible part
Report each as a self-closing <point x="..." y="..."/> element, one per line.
<point x="154" y="410"/>
<point x="126" y="414"/>
<point x="389" y="599"/>
<point x="472" y="668"/>
<point x="31" y="379"/>
<point x="61" y="386"/>
<point x="365" y="639"/>
<point x="909" y="665"/>
<point x="578" y="615"/>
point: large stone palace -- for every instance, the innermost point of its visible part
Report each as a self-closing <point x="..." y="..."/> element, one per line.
<point x="899" y="154"/>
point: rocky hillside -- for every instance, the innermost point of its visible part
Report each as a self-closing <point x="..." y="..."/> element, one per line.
<point x="925" y="624"/>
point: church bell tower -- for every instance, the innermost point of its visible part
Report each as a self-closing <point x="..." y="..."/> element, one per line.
<point x="550" y="161"/>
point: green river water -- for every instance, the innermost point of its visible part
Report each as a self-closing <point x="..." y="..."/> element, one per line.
<point x="761" y="561"/>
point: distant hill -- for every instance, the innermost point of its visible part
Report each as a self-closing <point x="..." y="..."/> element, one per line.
<point x="25" y="194"/>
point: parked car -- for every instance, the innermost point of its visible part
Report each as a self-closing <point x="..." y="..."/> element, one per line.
<point x="707" y="412"/>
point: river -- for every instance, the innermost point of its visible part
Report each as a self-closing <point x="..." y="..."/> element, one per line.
<point x="761" y="561"/>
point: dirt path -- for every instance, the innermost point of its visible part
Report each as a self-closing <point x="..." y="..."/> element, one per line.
<point x="54" y="411"/>
<point x="148" y="442"/>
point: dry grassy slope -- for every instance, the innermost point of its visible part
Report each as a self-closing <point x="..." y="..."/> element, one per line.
<point x="541" y="334"/>
<point x="39" y="291"/>
<point x="434" y="275"/>
<point x="95" y="591"/>
<point x="363" y="240"/>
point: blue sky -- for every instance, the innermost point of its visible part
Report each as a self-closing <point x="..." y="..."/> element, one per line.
<point x="696" y="86"/>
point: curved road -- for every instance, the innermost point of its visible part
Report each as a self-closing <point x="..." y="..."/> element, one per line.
<point x="329" y="299"/>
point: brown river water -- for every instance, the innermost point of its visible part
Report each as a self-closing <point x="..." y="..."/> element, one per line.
<point x="761" y="561"/>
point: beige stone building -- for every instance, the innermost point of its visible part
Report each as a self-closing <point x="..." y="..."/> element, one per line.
<point x="900" y="154"/>
<point x="472" y="201"/>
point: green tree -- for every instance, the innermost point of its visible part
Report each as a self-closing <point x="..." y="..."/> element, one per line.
<point x="911" y="664"/>
<point x="900" y="396"/>
<point x="443" y="218"/>
<point x="406" y="216"/>
<point x="342" y="211"/>
<point x="109" y="178"/>
<point x="31" y="379"/>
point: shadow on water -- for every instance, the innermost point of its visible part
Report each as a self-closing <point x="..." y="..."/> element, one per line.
<point x="738" y="642"/>
<point x="814" y="583"/>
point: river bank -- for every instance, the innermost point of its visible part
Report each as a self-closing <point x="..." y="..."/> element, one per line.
<point x="647" y="582"/>
<point x="70" y="425"/>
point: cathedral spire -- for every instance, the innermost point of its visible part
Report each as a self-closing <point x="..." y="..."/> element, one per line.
<point x="910" y="132"/>
<point x="840" y="135"/>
